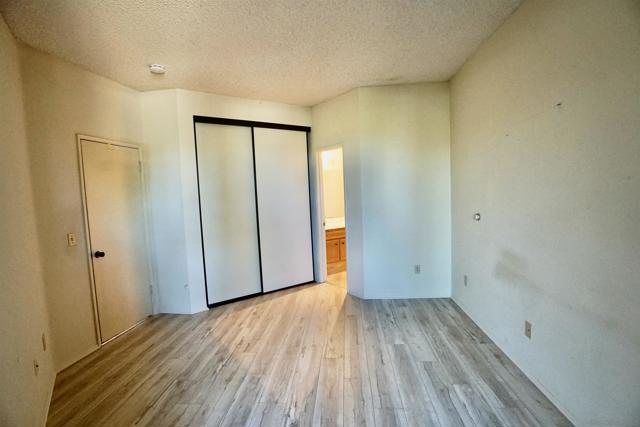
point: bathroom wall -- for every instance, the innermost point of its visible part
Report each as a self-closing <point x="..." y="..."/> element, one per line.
<point x="333" y="183"/>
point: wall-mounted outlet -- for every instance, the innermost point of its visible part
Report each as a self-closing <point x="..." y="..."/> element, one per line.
<point x="466" y="280"/>
<point x="36" y="367"/>
<point x="417" y="269"/>
<point x="71" y="239"/>
<point x="527" y="329"/>
<point x="44" y="342"/>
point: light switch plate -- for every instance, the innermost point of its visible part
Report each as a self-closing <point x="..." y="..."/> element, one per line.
<point x="71" y="239"/>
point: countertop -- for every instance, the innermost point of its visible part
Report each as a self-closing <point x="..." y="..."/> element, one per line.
<point x="333" y="223"/>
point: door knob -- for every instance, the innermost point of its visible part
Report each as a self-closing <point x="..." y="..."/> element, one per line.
<point x="99" y="254"/>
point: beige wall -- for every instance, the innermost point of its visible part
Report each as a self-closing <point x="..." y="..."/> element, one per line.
<point x="62" y="100"/>
<point x="559" y="190"/>
<point x="162" y="167"/>
<point x="332" y="183"/>
<point x="336" y="122"/>
<point x="406" y="191"/>
<point x="397" y="186"/>
<point x="24" y="397"/>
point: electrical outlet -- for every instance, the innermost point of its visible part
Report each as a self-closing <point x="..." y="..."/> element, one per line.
<point x="466" y="280"/>
<point x="36" y="367"/>
<point x="527" y="329"/>
<point x="417" y="269"/>
<point x="71" y="239"/>
<point x="44" y="342"/>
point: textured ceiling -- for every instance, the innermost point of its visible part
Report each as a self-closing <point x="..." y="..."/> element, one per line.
<point x="295" y="51"/>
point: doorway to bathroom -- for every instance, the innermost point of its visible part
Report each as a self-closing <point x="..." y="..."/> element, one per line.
<point x="333" y="214"/>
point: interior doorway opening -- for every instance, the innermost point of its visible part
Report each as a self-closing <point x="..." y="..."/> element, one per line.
<point x="333" y="215"/>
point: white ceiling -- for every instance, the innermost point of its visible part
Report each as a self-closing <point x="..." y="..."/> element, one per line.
<point x="295" y="51"/>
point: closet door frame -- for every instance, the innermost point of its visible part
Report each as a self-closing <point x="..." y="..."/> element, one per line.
<point x="252" y="125"/>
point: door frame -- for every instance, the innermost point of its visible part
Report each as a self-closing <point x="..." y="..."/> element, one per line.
<point x="322" y="237"/>
<point x="87" y="230"/>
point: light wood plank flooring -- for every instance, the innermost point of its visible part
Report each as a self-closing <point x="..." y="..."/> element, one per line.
<point x="308" y="356"/>
<point x="336" y="267"/>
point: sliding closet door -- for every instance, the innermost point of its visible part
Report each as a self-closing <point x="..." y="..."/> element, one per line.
<point x="283" y="207"/>
<point x="228" y="211"/>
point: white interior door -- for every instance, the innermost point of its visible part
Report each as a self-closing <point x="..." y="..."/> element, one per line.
<point x="228" y="211"/>
<point x="116" y="222"/>
<point x="283" y="207"/>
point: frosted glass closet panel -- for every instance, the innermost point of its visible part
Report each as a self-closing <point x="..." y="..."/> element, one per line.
<point x="228" y="211"/>
<point x="283" y="207"/>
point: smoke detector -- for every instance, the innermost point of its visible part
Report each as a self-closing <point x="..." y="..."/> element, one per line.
<point x="157" y="68"/>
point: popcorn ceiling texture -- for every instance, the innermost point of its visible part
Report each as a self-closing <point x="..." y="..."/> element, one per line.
<point x="293" y="51"/>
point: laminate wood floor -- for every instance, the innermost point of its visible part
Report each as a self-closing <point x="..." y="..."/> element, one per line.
<point x="308" y="356"/>
<point x="336" y="267"/>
